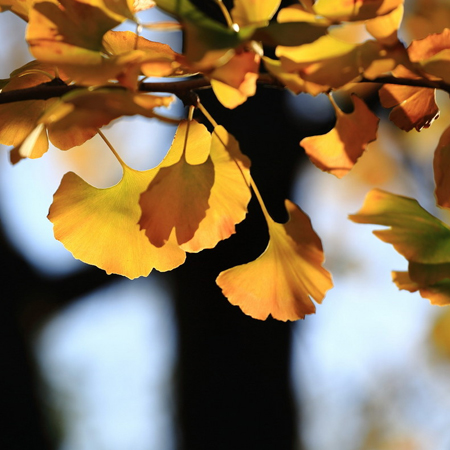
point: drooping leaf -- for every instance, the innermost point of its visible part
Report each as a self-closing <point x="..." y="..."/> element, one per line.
<point x="441" y="166"/>
<point x="199" y="193"/>
<point x="414" y="107"/>
<point x="235" y="81"/>
<point x="438" y="293"/>
<point x="338" y="150"/>
<point x="282" y="281"/>
<point x="19" y="119"/>
<point x="353" y="10"/>
<point x="415" y="233"/>
<point x="100" y="226"/>
<point x="433" y="54"/>
<point x="78" y="115"/>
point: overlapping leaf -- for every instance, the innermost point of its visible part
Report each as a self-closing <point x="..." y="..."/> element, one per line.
<point x="18" y="119"/>
<point x="100" y="226"/>
<point x="414" y="107"/>
<point x="73" y="35"/>
<point x="433" y="54"/>
<point x="77" y="117"/>
<point x="282" y="281"/>
<point x="200" y="191"/>
<point x="417" y="235"/>
<point x="338" y="150"/>
<point x="354" y="10"/>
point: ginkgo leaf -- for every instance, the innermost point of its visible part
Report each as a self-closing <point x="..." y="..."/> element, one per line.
<point x="282" y="281"/>
<point x="246" y="12"/>
<point x="433" y="54"/>
<point x="100" y="226"/>
<point x="235" y="81"/>
<point x="384" y="28"/>
<point x="415" y="233"/>
<point x="78" y="115"/>
<point x="69" y="33"/>
<point x="19" y="7"/>
<point x="199" y="193"/>
<point x="441" y="166"/>
<point x="18" y="119"/>
<point x="438" y="293"/>
<point x="414" y="107"/>
<point x="345" y="10"/>
<point x="337" y="151"/>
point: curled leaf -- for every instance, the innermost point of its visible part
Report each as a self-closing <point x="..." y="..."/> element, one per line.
<point x="338" y="150"/>
<point x="282" y="281"/>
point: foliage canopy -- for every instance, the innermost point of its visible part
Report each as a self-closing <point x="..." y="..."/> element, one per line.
<point x="86" y="75"/>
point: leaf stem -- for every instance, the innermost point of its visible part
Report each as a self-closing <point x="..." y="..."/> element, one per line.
<point x="105" y="140"/>
<point x="251" y="181"/>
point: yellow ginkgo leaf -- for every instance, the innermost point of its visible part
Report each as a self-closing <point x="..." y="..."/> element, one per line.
<point x="351" y="10"/>
<point x="100" y="226"/>
<point x="338" y="150"/>
<point x="246" y="12"/>
<point x="235" y="81"/>
<point x="199" y="192"/>
<point x="283" y="279"/>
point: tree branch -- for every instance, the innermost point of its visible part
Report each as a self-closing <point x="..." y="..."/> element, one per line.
<point x="184" y="88"/>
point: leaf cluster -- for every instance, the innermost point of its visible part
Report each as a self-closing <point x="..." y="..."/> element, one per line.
<point x="86" y="75"/>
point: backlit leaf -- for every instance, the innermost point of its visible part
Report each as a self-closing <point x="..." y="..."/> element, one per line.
<point x="416" y="234"/>
<point x="246" y="12"/>
<point x="438" y="293"/>
<point x="414" y="107"/>
<point x="100" y="226"/>
<point x="199" y="193"/>
<point x="352" y="10"/>
<point x="19" y="7"/>
<point x="282" y="281"/>
<point x="337" y="151"/>
<point x="235" y="81"/>
<point x="441" y="166"/>
<point x="384" y="28"/>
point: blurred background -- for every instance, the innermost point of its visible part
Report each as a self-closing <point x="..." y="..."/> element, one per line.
<point x="93" y="362"/>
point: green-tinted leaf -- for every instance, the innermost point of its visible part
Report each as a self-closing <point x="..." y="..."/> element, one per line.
<point x="415" y="233"/>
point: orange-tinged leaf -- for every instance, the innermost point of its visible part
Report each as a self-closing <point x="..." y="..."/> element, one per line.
<point x="282" y="281"/>
<point x="384" y="28"/>
<point x="19" y="7"/>
<point x="337" y="151"/>
<point x="235" y="81"/>
<point x="246" y="12"/>
<point x="438" y="293"/>
<point x="100" y="226"/>
<point x="79" y="114"/>
<point x="414" y="107"/>
<point x="199" y="192"/>
<point x="441" y="166"/>
<point x="69" y="33"/>
<point x="352" y="10"/>
<point x="415" y="233"/>
<point x="326" y="63"/>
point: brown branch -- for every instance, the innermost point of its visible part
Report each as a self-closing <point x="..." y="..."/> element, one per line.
<point x="184" y="88"/>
